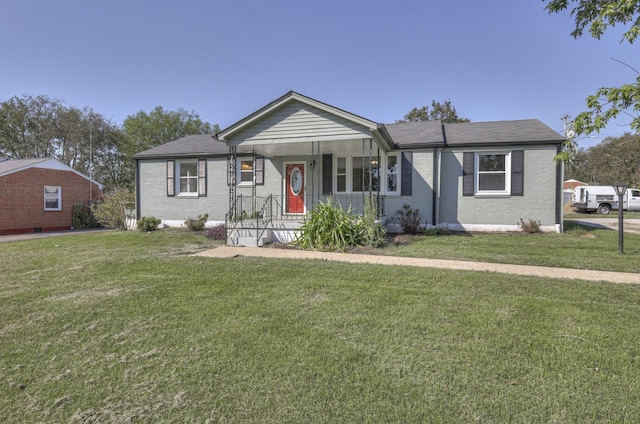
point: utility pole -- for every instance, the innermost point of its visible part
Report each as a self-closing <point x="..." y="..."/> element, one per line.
<point x="90" y="155"/>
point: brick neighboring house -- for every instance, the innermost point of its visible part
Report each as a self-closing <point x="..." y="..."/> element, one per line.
<point x="38" y="195"/>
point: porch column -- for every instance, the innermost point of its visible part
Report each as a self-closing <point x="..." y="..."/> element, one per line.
<point x="315" y="154"/>
<point x="231" y="180"/>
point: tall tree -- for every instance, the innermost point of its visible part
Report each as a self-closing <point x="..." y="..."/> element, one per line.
<point x="146" y="130"/>
<point x="143" y="131"/>
<point x="612" y="160"/>
<point x="27" y="126"/>
<point x="39" y="127"/>
<point x="597" y="16"/>
<point x="444" y="112"/>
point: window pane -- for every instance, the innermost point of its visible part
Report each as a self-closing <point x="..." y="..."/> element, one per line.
<point x="342" y="183"/>
<point x="392" y="182"/>
<point x="52" y="198"/>
<point x="357" y="174"/>
<point x="342" y="166"/>
<point x="362" y="168"/>
<point x="188" y="169"/>
<point x="188" y="185"/>
<point x="188" y="177"/>
<point x="246" y="171"/>
<point x="493" y="182"/>
<point x="392" y="173"/>
<point x="491" y="163"/>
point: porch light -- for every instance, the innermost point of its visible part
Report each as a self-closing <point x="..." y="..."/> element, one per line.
<point x="620" y="189"/>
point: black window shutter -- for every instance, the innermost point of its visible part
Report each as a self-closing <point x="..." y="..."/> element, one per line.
<point x="406" y="171"/>
<point x="468" y="183"/>
<point x="259" y="171"/>
<point x="202" y="177"/>
<point x="517" y="173"/>
<point x="171" y="182"/>
<point x="327" y="176"/>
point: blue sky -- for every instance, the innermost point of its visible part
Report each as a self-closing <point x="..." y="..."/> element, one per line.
<point x="495" y="60"/>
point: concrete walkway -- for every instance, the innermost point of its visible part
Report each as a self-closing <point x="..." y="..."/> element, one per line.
<point x="30" y="236"/>
<point x="225" y="252"/>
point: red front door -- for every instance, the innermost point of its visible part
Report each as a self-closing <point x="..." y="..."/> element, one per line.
<point x="295" y="188"/>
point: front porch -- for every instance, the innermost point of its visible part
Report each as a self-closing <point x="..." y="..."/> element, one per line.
<point x="295" y="153"/>
<point x="259" y="220"/>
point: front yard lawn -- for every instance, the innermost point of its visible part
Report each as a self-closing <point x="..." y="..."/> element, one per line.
<point x="126" y="327"/>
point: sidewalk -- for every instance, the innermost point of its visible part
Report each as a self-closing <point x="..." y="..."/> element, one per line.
<point x="225" y="252"/>
<point x="46" y="234"/>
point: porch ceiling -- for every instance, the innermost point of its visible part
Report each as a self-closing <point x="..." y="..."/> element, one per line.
<point x="307" y="147"/>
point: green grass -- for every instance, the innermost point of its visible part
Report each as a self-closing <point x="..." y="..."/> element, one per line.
<point x="579" y="247"/>
<point x="126" y="327"/>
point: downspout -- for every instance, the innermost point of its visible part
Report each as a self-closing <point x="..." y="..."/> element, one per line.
<point x="559" y="192"/>
<point x="313" y="172"/>
<point x="137" y="167"/>
<point x="378" y="170"/>
<point x="437" y="173"/>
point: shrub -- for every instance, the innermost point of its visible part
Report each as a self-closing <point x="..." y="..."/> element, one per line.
<point x="329" y="227"/>
<point x="81" y="217"/>
<point x="116" y="210"/>
<point x="197" y="224"/>
<point x="530" y="227"/>
<point x="217" y="233"/>
<point x="148" y="223"/>
<point x="372" y="234"/>
<point x="409" y="219"/>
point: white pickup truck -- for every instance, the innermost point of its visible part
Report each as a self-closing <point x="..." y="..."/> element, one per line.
<point x="603" y="199"/>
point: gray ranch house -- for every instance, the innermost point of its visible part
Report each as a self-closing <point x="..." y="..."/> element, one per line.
<point x="262" y="174"/>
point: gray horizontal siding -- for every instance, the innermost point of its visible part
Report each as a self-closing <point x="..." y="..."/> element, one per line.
<point x="298" y="120"/>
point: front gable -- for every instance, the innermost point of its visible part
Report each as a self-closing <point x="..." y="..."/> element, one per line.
<point x="296" y="121"/>
<point x="289" y="124"/>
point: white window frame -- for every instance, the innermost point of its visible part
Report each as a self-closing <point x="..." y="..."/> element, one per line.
<point x="345" y="175"/>
<point x="179" y="178"/>
<point x="239" y="172"/>
<point x="58" y="190"/>
<point x="349" y="174"/>
<point x="507" y="173"/>
<point x="388" y="173"/>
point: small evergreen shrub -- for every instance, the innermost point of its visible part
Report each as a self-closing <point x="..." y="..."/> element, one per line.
<point x="197" y="224"/>
<point x="81" y="217"/>
<point x="533" y="226"/>
<point x="409" y="219"/>
<point x="217" y="233"/>
<point x="148" y="223"/>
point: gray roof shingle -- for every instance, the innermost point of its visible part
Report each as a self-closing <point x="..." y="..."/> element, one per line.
<point x="435" y="133"/>
<point x="15" y="164"/>
<point x="404" y="135"/>
<point x="413" y="134"/>
<point x="525" y="131"/>
<point x="188" y="146"/>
